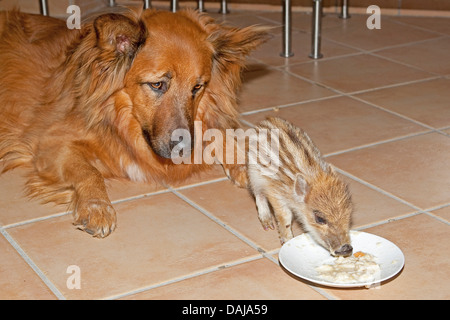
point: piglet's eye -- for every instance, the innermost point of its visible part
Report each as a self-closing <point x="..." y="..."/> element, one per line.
<point x="319" y="217"/>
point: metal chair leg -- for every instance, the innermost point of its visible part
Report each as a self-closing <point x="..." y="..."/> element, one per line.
<point x="201" y="6"/>
<point x="287" y="29"/>
<point x="316" y="29"/>
<point x="147" y="4"/>
<point x="223" y="7"/>
<point x="174" y="5"/>
<point x="44" y="7"/>
<point x="112" y="3"/>
<point x="344" y="10"/>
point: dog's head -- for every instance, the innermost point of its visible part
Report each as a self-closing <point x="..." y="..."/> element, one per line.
<point x="188" y="68"/>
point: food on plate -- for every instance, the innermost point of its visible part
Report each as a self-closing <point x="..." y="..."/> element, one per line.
<point x="360" y="267"/>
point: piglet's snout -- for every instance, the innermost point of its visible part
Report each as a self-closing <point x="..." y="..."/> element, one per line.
<point x="345" y="250"/>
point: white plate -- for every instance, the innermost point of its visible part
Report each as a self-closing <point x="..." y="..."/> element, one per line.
<point x="302" y="255"/>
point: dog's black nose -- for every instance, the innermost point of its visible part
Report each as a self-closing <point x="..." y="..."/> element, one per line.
<point x="345" y="250"/>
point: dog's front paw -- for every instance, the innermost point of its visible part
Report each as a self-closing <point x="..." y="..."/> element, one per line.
<point x="95" y="216"/>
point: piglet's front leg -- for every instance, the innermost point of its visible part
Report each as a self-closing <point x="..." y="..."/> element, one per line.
<point x="283" y="217"/>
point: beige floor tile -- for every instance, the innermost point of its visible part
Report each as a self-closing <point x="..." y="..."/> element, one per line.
<point x="269" y="52"/>
<point x="157" y="239"/>
<point x="215" y="173"/>
<point x="426" y="274"/>
<point x="235" y="207"/>
<point x="15" y="206"/>
<point x="426" y="102"/>
<point x="244" y="19"/>
<point x="414" y="169"/>
<point x="430" y="56"/>
<point x="123" y="189"/>
<point x="342" y="123"/>
<point x="441" y="25"/>
<point x="443" y="213"/>
<point x="371" y="206"/>
<point x="268" y="88"/>
<point x="354" y="32"/>
<point x="17" y="279"/>
<point x="357" y="73"/>
<point x="259" y="280"/>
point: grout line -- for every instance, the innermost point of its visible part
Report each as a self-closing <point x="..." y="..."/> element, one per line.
<point x="374" y="187"/>
<point x="140" y="196"/>
<point x="247" y="123"/>
<point x="432" y="129"/>
<point x="347" y="94"/>
<point x="263" y="253"/>
<point x="400" y="45"/>
<point x="392" y="196"/>
<point x="394" y="85"/>
<point x="434" y="216"/>
<point x="373" y="54"/>
<point x="198" y="184"/>
<point x="287" y="105"/>
<point x="438" y="207"/>
<point x="418" y="27"/>
<point x="25" y="222"/>
<point x="219" y="222"/>
<point x="61" y="214"/>
<point x="33" y="266"/>
<point x="381" y="222"/>
<point x="377" y="143"/>
<point x="185" y="277"/>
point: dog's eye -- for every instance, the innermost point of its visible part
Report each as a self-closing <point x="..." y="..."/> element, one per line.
<point x="159" y="86"/>
<point x="156" y="85"/>
<point x="319" y="217"/>
<point x="196" y="88"/>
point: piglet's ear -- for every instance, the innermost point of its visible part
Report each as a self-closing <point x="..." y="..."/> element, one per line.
<point x="120" y="34"/>
<point x="301" y="187"/>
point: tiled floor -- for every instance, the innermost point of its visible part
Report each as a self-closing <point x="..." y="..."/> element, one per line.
<point x="377" y="105"/>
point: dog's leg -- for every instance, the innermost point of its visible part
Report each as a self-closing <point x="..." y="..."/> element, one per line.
<point x="92" y="209"/>
<point x="237" y="173"/>
<point x="233" y="159"/>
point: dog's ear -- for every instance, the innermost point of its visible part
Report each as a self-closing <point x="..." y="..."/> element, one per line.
<point x="232" y="45"/>
<point x="120" y="34"/>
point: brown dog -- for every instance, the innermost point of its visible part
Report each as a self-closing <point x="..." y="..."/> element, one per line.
<point x="79" y="106"/>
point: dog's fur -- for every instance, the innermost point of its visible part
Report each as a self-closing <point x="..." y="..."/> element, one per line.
<point x="79" y="106"/>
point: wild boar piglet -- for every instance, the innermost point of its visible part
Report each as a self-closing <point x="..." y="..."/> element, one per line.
<point x="292" y="180"/>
